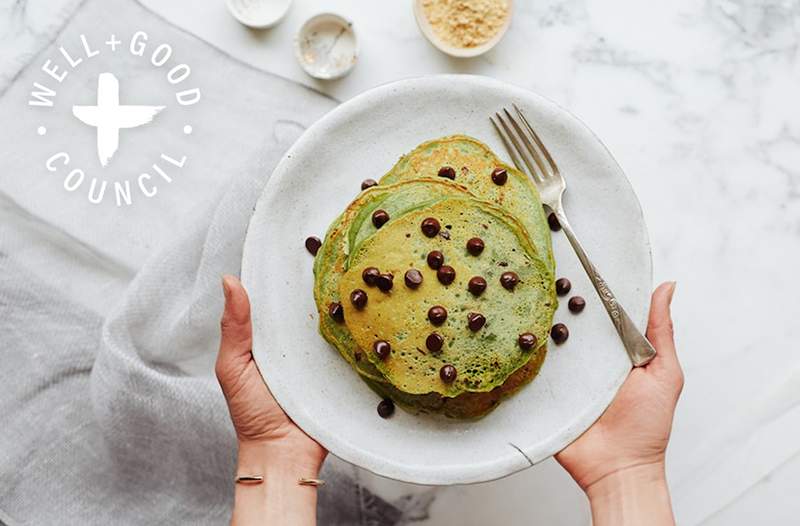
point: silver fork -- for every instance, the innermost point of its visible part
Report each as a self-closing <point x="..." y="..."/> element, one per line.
<point x="528" y="151"/>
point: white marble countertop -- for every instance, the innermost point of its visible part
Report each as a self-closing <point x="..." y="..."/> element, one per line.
<point x="697" y="101"/>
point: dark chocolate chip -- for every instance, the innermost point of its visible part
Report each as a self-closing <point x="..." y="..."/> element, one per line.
<point x="509" y="280"/>
<point x="382" y="349"/>
<point x="370" y="276"/>
<point x="563" y="286"/>
<point x="437" y="314"/>
<point x="435" y="259"/>
<point x="476" y="285"/>
<point x="448" y="373"/>
<point x="379" y="218"/>
<point x="527" y="341"/>
<point x="446" y="274"/>
<point x="385" y="282"/>
<point x="385" y="408"/>
<point x="413" y="278"/>
<point x="312" y="244"/>
<point x="430" y="226"/>
<point x="499" y="176"/>
<point x="336" y="311"/>
<point x="368" y="183"/>
<point x="448" y="172"/>
<point x="576" y="304"/>
<point x="475" y="321"/>
<point x="475" y="246"/>
<point x="358" y="298"/>
<point x="434" y="342"/>
<point x="552" y="221"/>
<point x="559" y="333"/>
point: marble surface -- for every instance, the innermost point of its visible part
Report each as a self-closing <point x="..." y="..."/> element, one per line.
<point x="697" y="101"/>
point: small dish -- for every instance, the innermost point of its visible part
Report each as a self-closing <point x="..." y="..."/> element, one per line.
<point x="259" y="14"/>
<point x="455" y="51"/>
<point x="326" y="46"/>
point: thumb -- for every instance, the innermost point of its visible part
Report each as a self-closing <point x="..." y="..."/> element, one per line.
<point x="659" y="327"/>
<point x="237" y="332"/>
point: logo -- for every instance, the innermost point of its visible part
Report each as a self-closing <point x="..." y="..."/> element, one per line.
<point x="115" y="111"/>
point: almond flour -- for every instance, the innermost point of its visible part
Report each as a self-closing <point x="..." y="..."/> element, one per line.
<point x="466" y="23"/>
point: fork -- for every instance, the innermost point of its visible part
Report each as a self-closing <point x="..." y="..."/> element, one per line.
<point x="528" y="151"/>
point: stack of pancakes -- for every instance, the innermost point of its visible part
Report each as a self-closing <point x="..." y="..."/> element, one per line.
<point x="376" y="280"/>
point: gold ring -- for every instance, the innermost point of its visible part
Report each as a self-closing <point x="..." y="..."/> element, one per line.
<point x="311" y="482"/>
<point x="249" y="479"/>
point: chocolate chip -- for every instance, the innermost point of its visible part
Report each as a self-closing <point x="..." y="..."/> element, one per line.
<point x="563" y="286"/>
<point x="437" y="315"/>
<point x="368" y="183"/>
<point x="527" y="341"/>
<point x="312" y="244"/>
<point x="379" y="218"/>
<point x="559" y="333"/>
<point x="435" y="259"/>
<point x="448" y="373"/>
<point x="475" y="246"/>
<point x="430" y="226"/>
<point x="448" y="172"/>
<point x="475" y="321"/>
<point x="357" y="356"/>
<point x="434" y="342"/>
<point x="358" y="298"/>
<point x="446" y="274"/>
<point x="385" y="282"/>
<point x="370" y="276"/>
<point x="576" y="304"/>
<point x="553" y="223"/>
<point x="413" y="278"/>
<point x="509" y="280"/>
<point x="382" y="349"/>
<point x="385" y="408"/>
<point x="336" y="311"/>
<point x="476" y="285"/>
<point x="499" y="176"/>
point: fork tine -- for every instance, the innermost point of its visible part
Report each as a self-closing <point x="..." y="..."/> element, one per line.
<point x="511" y="150"/>
<point x="536" y="138"/>
<point x="520" y="150"/>
<point x="531" y="148"/>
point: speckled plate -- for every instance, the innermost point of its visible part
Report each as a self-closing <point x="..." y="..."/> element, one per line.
<point x="313" y="183"/>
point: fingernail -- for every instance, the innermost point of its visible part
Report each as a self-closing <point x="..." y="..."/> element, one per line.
<point x="673" y="284"/>
<point x="226" y="287"/>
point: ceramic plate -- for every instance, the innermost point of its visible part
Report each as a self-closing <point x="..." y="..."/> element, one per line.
<point x="322" y="173"/>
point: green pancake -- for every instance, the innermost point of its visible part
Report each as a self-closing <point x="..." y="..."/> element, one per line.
<point x="330" y="261"/>
<point x="473" y="163"/>
<point x="484" y="359"/>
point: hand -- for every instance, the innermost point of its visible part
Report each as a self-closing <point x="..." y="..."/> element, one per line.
<point x="626" y="447"/>
<point x="259" y="421"/>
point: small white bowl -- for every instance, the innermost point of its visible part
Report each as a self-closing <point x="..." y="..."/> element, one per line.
<point x="455" y="51"/>
<point x="326" y="46"/>
<point x="259" y="14"/>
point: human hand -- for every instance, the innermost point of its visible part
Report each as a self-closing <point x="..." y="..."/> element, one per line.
<point x="627" y="445"/>
<point x="259" y="421"/>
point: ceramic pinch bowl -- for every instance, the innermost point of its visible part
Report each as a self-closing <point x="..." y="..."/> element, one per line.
<point x="326" y="46"/>
<point x="259" y="14"/>
<point x="455" y="51"/>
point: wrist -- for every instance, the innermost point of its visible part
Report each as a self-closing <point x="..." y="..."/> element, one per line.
<point x="630" y="495"/>
<point x="268" y="457"/>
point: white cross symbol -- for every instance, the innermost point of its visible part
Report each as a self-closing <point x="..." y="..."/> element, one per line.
<point x="109" y="116"/>
<point x="113" y="42"/>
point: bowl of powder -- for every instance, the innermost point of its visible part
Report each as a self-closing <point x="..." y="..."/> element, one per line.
<point x="463" y="28"/>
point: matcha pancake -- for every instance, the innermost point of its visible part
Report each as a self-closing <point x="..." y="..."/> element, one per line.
<point x="470" y="163"/>
<point x="475" y="346"/>
<point x="330" y="262"/>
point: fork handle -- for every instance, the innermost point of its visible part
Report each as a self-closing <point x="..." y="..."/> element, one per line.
<point x="639" y="350"/>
